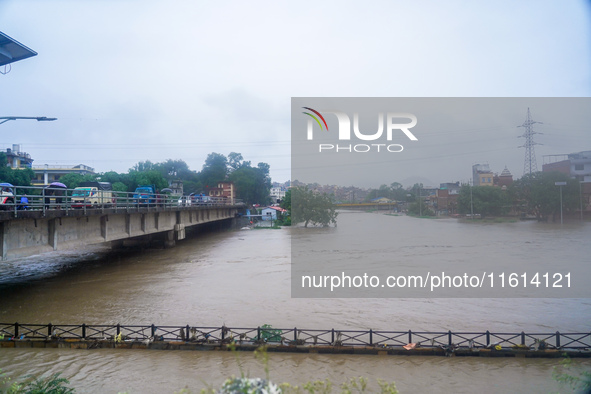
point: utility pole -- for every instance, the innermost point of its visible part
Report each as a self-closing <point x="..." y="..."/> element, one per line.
<point x="529" y="164"/>
<point x="471" y="204"/>
<point x="420" y="203"/>
<point x="581" y="197"/>
<point x="560" y="184"/>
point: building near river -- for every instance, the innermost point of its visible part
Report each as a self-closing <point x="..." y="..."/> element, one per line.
<point x="575" y="165"/>
<point x="482" y="175"/>
<point x="48" y="173"/>
<point x="17" y="159"/>
<point x="225" y="190"/>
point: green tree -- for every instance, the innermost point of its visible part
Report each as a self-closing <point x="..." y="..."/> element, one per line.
<point x="152" y="177"/>
<point x="235" y="161"/>
<point x="119" y="187"/>
<point x="310" y="207"/>
<point x="484" y="200"/>
<point x="72" y="181"/>
<point x="112" y="177"/>
<point x="537" y="194"/>
<point x="286" y="202"/>
<point x="17" y="177"/>
<point x="214" y="170"/>
<point x="398" y="192"/>
<point x="143" y="166"/>
<point x="174" y="169"/>
<point x="422" y="209"/>
<point x="252" y="184"/>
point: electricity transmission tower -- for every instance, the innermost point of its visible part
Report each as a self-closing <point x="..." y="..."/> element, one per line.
<point x="529" y="164"/>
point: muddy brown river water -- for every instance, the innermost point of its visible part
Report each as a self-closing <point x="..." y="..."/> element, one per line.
<point x="242" y="279"/>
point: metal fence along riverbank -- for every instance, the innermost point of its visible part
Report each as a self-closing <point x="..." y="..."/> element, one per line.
<point x="503" y="344"/>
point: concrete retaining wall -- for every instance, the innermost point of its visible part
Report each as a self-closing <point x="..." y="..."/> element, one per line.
<point x="366" y="350"/>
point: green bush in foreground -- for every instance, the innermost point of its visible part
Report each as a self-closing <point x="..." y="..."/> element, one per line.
<point x="566" y="374"/>
<point x="50" y="385"/>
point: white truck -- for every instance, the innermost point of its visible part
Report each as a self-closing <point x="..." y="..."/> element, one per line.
<point x="93" y="195"/>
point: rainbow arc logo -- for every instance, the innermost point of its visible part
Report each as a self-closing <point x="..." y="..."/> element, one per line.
<point x="315" y="118"/>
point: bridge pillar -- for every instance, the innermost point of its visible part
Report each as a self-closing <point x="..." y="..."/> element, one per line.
<point x="179" y="230"/>
<point x="169" y="241"/>
<point x="52" y="238"/>
<point x="128" y="224"/>
<point x="3" y="239"/>
<point x="104" y="220"/>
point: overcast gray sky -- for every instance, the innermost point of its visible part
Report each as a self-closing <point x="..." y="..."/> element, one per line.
<point x="133" y="80"/>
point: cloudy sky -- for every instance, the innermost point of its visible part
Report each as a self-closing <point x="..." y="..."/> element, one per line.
<point x="451" y="135"/>
<point x="133" y="80"/>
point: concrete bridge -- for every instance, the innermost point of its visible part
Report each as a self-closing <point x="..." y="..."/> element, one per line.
<point x="33" y="232"/>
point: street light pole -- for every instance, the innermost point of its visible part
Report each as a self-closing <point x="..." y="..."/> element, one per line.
<point x="471" y="203"/>
<point x="560" y="184"/>
<point x="581" y="197"/>
<point x="5" y="119"/>
<point x="420" y="207"/>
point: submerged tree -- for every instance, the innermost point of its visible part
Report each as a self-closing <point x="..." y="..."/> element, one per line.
<point x="310" y="207"/>
<point x="420" y="208"/>
<point x="538" y="194"/>
<point x="483" y="200"/>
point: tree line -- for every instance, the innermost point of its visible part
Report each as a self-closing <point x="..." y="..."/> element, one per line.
<point x="252" y="183"/>
<point x="533" y="194"/>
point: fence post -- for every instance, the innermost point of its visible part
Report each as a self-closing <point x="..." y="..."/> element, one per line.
<point x="118" y="328"/>
<point x="370" y="337"/>
<point x="332" y="336"/>
<point x="83" y="331"/>
<point x="557" y="339"/>
<point x="522" y="338"/>
<point x="153" y="330"/>
<point x="487" y="338"/>
<point x="409" y="336"/>
<point x="49" y="330"/>
<point x="16" y="330"/>
<point x="223" y="332"/>
<point x="187" y="329"/>
<point x="295" y="333"/>
<point x="259" y="333"/>
<point x="449" y="338"/>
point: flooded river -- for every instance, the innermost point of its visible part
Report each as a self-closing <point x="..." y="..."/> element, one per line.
<point x="242" y="279"/>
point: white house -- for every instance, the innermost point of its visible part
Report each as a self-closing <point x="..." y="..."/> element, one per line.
<point x="270" y="213"/>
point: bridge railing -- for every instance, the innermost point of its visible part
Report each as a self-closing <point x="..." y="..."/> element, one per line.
<point x="298" y="336"/>
<point x="22" y="199"/>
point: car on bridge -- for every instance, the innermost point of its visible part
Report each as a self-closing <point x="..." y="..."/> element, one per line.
<point x="6" y="195"/>
<point x="92" y="195"/>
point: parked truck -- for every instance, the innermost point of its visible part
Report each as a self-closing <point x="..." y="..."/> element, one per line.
<point x="145" y="195"/>
<point x="93" y="195"/>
